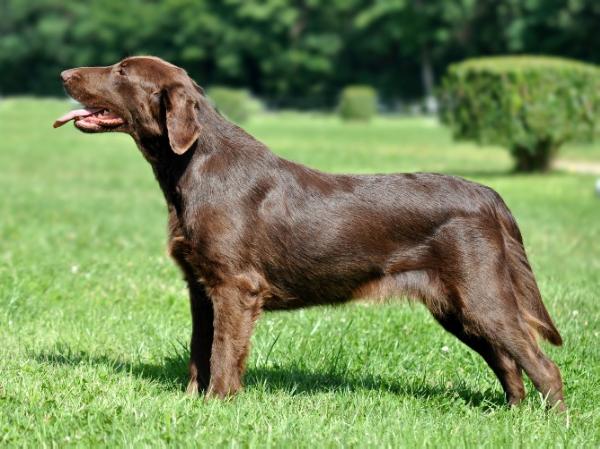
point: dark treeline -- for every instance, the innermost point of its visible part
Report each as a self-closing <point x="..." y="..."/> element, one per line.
<point x="289" y="52"/>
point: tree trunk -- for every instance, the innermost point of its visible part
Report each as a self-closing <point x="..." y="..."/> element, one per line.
<point x="427" y="78"/>
<point x="534" y="159"/>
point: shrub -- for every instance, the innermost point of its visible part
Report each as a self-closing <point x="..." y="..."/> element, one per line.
<point x="236" y="104"/>
<point x="358" y="103"/>
<point x="530" y="105"/>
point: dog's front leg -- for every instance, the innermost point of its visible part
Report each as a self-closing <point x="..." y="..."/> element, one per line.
<point x="236" y="310"/>
<point x="201" y="307"/>
<point x="202" y="339"/>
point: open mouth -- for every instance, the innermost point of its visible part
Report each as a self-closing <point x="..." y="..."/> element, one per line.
<point x="91" y="119"/>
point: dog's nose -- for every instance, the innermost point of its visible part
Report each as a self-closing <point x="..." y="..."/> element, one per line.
<point x="66" y="75"/>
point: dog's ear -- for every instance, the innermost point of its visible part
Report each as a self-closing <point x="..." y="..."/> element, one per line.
<point x="183" y="125"/>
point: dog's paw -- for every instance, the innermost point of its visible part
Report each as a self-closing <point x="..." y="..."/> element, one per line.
<point x="192" y="388"/>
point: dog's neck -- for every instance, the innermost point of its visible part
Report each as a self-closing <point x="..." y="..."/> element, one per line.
<point x="218" y="137"/>
<point x="167" y="166"/>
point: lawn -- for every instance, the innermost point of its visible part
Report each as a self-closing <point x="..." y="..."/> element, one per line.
<point x="94" y="318"/>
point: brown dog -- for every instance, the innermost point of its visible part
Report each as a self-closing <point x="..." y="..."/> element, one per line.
<point x="252" y="231"/>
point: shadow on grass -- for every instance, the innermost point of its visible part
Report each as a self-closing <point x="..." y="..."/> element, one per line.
<point x="301" y="381"/>
<point x="171" y="375"/>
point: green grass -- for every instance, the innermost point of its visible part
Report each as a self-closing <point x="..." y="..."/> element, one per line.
<point x="94" y="318"/>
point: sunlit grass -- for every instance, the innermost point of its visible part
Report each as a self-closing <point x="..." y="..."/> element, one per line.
<point x="94" y="319"/>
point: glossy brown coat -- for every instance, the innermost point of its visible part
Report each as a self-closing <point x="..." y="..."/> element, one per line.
<point x="254" y="232"/>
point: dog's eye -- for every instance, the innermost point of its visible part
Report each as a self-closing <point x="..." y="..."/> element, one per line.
<point x="121" y="71"/>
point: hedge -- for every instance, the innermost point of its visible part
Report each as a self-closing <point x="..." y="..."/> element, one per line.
<point x="358" y="103"/>
<point x="528" y="104"/>
<point x="236" y="104"/>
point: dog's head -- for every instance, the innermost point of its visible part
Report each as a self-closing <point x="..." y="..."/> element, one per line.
<point x="143" y="96"/>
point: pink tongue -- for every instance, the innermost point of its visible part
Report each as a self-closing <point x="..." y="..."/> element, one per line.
<point x="74" y="114"/>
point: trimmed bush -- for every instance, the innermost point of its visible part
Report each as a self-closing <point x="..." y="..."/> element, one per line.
<point x="528" y="104"/>
<point x="236" y="104"/>
<point x="358" y="103"/>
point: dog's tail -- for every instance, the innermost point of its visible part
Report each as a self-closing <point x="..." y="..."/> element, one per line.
<point x="527" y="293"/>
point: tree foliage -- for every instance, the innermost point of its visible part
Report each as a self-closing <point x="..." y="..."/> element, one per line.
<point x="531" y="105"/>
<point x="291" y="52"/>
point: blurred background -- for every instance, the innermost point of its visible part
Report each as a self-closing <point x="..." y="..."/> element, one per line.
<point x="355" y="58"/>
<point x="289" y="53"/>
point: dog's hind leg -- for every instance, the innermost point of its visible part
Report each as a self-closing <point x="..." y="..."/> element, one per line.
<point x="511" y="333"/>
<point x="445" y="307"/>
<point x="544" y="373"/>
<point x="482" y="310"/>
<point x="504" y="366"/>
